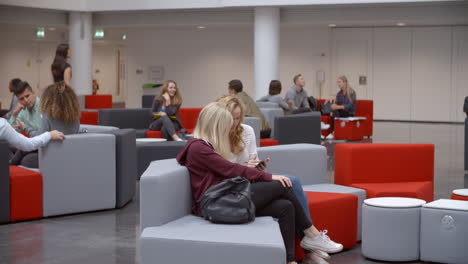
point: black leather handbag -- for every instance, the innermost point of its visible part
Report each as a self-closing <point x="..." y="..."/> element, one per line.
<point x="228" y="202"/>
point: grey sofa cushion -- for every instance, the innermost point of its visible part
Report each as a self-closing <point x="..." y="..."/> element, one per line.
<point x="299" y="128"/>
<point x="165" y="193"/>
<point x="126" y="165"/>
<point x="95" y="129"/>
<point x="270" y="115"/>
<point x="78" y="174"/>
<point x="150" y="151"/>
<point x="466" y="143"/>
<point x="4" y="182"/>
<point x="147" y="100"/>
<point x="137" y="118"/>
<point x="308" y="162"/>
<point x="141" y="133"/>
<point x="255" y="123"/>
<point x="267" y="105"/>
<point x="192" y="239"/>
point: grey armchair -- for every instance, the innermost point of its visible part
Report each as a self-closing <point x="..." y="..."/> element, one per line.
<point x="136" y="118"/>
<point x="299" y="128"/>
<point x="78" y="174"/>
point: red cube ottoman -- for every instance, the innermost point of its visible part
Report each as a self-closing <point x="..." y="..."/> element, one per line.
<point x="336" y="212"/>
<point x="25" y="194"/>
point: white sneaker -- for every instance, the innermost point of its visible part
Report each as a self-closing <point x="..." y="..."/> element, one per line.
<point x="324" y="126"/>
<point x="321" y="242"/>
<point x="330" y="136"/>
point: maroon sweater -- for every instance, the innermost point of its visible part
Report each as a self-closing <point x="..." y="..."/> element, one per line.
<point x="208" y="168"/>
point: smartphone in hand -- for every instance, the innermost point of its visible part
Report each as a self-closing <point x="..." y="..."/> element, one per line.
<point x="260" y="165"/>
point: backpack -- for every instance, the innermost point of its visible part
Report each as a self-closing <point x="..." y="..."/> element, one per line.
<point x="312" y="103"/>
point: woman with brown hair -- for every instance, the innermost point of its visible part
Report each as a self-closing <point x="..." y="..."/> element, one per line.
<point x="273" y="96"/>
<point x="61" y="69"/>
<point x="60" y="111"/>
<point x="166" y="111"/>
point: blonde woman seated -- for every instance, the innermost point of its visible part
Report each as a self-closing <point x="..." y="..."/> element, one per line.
<point x="206" y="158"/>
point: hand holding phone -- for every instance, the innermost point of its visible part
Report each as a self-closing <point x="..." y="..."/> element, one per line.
<point x="262" y="164"/>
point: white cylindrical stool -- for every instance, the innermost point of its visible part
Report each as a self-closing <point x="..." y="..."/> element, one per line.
<point x="444" y="231"/>
<point x="390" y="228"/>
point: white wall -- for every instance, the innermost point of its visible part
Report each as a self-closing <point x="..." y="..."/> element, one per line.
<point x="414" y="73"/>
<point x="203" y="61"/>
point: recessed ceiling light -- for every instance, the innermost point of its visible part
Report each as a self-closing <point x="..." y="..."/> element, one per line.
<point x="52" y="29"/>
<point x="401" y="24"/>
<point x="332" y="25"/>
<point x="201" y="27"/>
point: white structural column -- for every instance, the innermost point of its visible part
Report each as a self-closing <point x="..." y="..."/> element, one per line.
<point x="266" y="47"/>
<point x="81" y="41"/>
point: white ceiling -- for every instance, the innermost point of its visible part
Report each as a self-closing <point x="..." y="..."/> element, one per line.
<point x="119" y="5"/>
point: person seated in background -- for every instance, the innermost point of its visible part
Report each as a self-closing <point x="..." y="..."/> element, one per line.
<point x="206" y="158"/>
<point x="61" y="111"/>
<point x="273" y="95"/>
<point x="26" y="116"/>
<point x="14" y="100"/>
<point x="345" y="103"/>
<point x="235" y="87"/>
<point x="20" y="142"/>
<point x="166" y="111"/>
<point x="296" y="97"/>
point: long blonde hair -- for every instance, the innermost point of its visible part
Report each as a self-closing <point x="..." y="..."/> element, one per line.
<point x="231" y="102"/>
<point x="176" y="99"/>
<point x="347" y="89"/>
<point x="213" y="125"/>
<point x="60" y="102"/>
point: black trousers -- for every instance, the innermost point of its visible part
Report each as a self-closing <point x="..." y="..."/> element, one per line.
<point x="272" y="199"/>
<point x="337" y="113"/>
<point x="27" y="159"/>
<point x="165" y="124"/>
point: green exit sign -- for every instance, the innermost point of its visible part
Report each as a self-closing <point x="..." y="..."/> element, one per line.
<point x="99" y="33"/>
<point x="40" y="32"/>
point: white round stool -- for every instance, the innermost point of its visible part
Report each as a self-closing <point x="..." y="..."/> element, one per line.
<point x="390" y="228"/>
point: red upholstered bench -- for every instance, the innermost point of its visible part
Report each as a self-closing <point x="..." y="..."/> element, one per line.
<point x="265" y="142"/>
<point x="387" y="170"/>
<point x="154" y="134"/>
<point x="89" y="118"/>
<point x="189" y="118"/>
<point x="25" y="194"/>
<point x="336" y="212"/>
<point x="101" y="101"/>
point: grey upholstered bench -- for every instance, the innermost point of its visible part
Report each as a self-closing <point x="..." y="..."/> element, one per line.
<point x="171" y="234"/>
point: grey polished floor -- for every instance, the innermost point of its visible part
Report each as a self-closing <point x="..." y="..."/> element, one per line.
<point x="111" y="236"/>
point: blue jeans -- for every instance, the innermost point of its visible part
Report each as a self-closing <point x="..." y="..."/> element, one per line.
<point x="300" y="195"/>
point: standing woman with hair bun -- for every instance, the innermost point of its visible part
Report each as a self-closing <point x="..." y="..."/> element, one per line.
<point x="60" y="111"/>
<point x="61" y="69"/>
